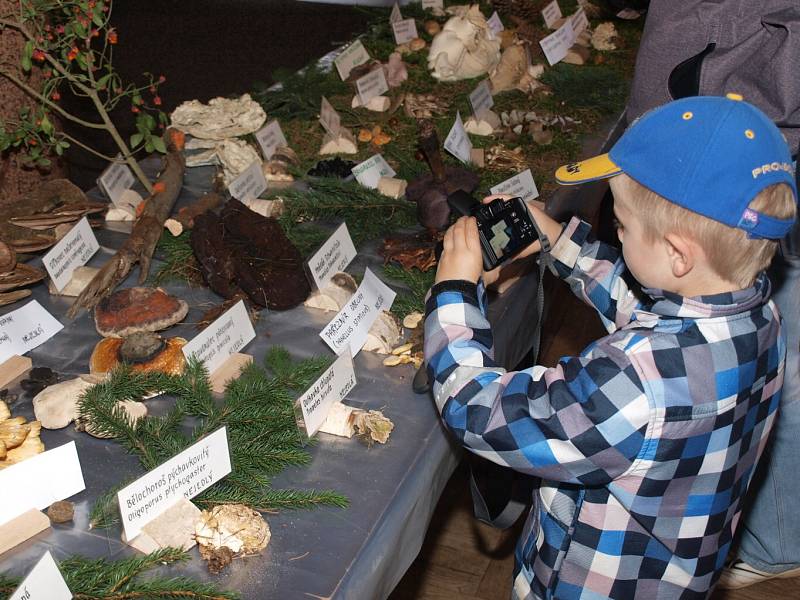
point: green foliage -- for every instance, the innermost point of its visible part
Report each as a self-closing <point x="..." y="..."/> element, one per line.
<point x="96" y="579"/>
<point x="418" y="284"/>
<point x="257" y="410"/>
<point x="298" y="95"/>
<point x="596" y="87"/>
<point x="179" y="262"/>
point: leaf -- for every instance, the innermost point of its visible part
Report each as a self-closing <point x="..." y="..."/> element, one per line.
<point x="148" y="146"/>
<point x="43" y="162"/>
<point x="159" y="145"/>
<point x="103" y="81"/>
<point x="27" y="53"/>
<point x="97" y="18"/>
<point x="47" y="126"/>
<point x="136" y="139"/>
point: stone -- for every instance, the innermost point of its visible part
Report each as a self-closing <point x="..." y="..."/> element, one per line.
<point x="392" y="187"/>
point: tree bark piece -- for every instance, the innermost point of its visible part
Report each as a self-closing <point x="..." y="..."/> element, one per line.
<point x="184" y="219"/>
<point x="141" y="244"/>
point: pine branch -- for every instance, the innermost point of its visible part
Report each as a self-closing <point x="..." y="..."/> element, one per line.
<point x="418" y="284"/>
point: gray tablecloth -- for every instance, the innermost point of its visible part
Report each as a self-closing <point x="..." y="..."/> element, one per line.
<point x="360" y="552"/>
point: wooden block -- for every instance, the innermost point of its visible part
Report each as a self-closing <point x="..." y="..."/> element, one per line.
<point x="173" y="528"/>
<point x="80" y="279"/>
<point x="477" y="157"/>
<point x="13" y="368"/>
<point x="22" y="528"/>
<point x="228" y="370"/>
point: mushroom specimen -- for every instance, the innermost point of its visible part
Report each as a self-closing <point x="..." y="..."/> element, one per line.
<point x="138" y="309"/>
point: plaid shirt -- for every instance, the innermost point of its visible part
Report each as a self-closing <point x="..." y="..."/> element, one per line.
<point x="645" y="443"/>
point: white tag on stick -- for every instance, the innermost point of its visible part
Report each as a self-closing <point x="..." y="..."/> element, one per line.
<point x="117" y="178"/>
<point x="371" y="85"/>
<point x="481" y="98"/>
<point x="333" y="257"/>
<point x="26" y="328"/>
<point x="352" y="56"/>
<point x="369" y="172"/>
<point x="329" y="118"/>
<point x="249" y="184"/>
<point x="557" y="44"/>
<point x="521" y="185"/>
<point x="404" y="31"/>
<point x="457" y="141"/>
<point x="225" y="336"/>
<point x="270" y="137"/>
<point x="44" y="582"/>
<point x="331" y="387"/>
<point x="72" y="251"/>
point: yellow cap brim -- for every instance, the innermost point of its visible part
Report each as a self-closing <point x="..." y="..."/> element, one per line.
<point x="591" y="169"/>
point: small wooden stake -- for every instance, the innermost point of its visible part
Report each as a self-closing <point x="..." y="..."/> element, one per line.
<point x="228" y="370"/>
<point x="22" y="528"/>
<point x="14" y="367"/>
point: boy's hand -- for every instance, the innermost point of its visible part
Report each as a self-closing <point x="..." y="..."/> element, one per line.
<point x="461" y="257"/>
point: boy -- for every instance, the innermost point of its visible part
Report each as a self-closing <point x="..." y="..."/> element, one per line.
<point x="646" y="442"/>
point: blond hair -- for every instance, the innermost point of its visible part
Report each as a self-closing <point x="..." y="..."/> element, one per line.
<point x="730" y="253"/>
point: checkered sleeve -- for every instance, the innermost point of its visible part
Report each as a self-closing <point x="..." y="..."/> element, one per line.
<point x="596" y="274"/>
<point x="580" y="422"/>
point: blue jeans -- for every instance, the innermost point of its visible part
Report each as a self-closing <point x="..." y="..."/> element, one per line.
<point x="770" y="530"/>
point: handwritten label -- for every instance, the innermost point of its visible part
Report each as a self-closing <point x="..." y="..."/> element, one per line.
<point x="329" y="118"/>
<point x="551" y="13"/>
<point x="349" y="328"/>
<point x="117" y="178"/>
<point x="371" y="85"/>
<point x="432" y="4"/>
<point x="249" y="184"/>
<point x="227" y="335"/>
<point x="270" y="137"/>
<point x="404" y="31"/>
<point x="395" y="15"/>
<point x="495" y="24"/>
<point x="44" y="582"/>
<point x="457" y="142"/>
<point x="352" y="56"/>
<point x="332" y="386"/>
<point x="184" y="475"/>
<point x="369" y="172"/>
<point x="521" y="185"/>
<point x="72" y="251"/>
<point x="26" y="328"/>
<point x="556" y="45"/>
<point x="481" y="98"/>
<point x="41" y="480"/>
<point x="579" y="22"/>
<point x="333" y="257"/>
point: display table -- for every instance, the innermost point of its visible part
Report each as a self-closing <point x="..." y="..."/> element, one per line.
<point x="359" y="552"/>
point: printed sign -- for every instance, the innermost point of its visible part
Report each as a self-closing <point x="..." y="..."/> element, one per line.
<point x="432" y="4"/>
<point x="395" y="15"/>
<point x="371" y="85"/>
<point x="25" y="329"/>
<point x="352" y="56"/>
<point x="117" y="178"/>
<point x="184" y="475"/>
<point x="556" y="45"/>
<point x="551" y="13"/>
<point x="349" y="328"/>
<point x="481" y="98"/>
<point x="369" y="172"/>
<point x="457" y="142"/>
<point x="41" y="480"/>
<point x="270" y="137"/>
<point x="227" y="335"/>
<point x="404" y="31"/>
<point x="329" y="118"/>
<point x="249" y="184"/>
<point x="44" y="582"/>
<point x="579" y="22"/>
<point x="332" y="386"/>
<point x="332" y="257"/>
<point x="521" y="185"/>
<point x="72" y="251"/>
<point x="495" y="24"/>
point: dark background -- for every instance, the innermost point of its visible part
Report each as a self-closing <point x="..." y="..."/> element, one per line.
<point x="205" y="49"/>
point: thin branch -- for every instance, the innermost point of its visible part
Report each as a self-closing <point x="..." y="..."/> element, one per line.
<point x="89" y="149"/>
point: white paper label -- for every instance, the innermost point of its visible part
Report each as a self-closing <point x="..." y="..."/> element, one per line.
<point x="579" y="23"/>
<point x="349" y="328"/>
<point x="369" y="172"/>
<point x="332" y="386"/>
<point x="329" y="118"/>
<point x="227" y="335"/>
<point x="481" y="98"/>
<point x="26" y="328"/>
<point x="521" y="185"/>
<point x="352" y="56"/>
<point x="72" y="251"/>
<point x="270" y="137"/>
<point x="432" y="4"/>
<point x="371" y="85"/>
<point x="117" y="178"/>
<point x="551" y="13"/>
<point x="44" y="582"/>
<point x="184" y="475"/>
<point x="39" y="481"/>
<point x="495" y="24"/>
<point x="404" y="31"/>
<point x="395" y="15"/>
<point x="333" y="257"/>
<point x="556" y="45"/>
<point x="249" y="184"/>
<point x="457" y="142"/>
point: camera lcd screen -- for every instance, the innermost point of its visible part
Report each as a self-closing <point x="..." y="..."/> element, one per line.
<point x="501" y="236"/>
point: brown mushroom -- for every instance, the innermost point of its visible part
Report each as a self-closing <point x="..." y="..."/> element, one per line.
<point x="138" y="309"/>
<point x="144" y="351"/>
<point x="8" y="258"/>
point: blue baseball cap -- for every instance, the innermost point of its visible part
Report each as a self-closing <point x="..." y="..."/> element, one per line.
<point x="710" y="155"/>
